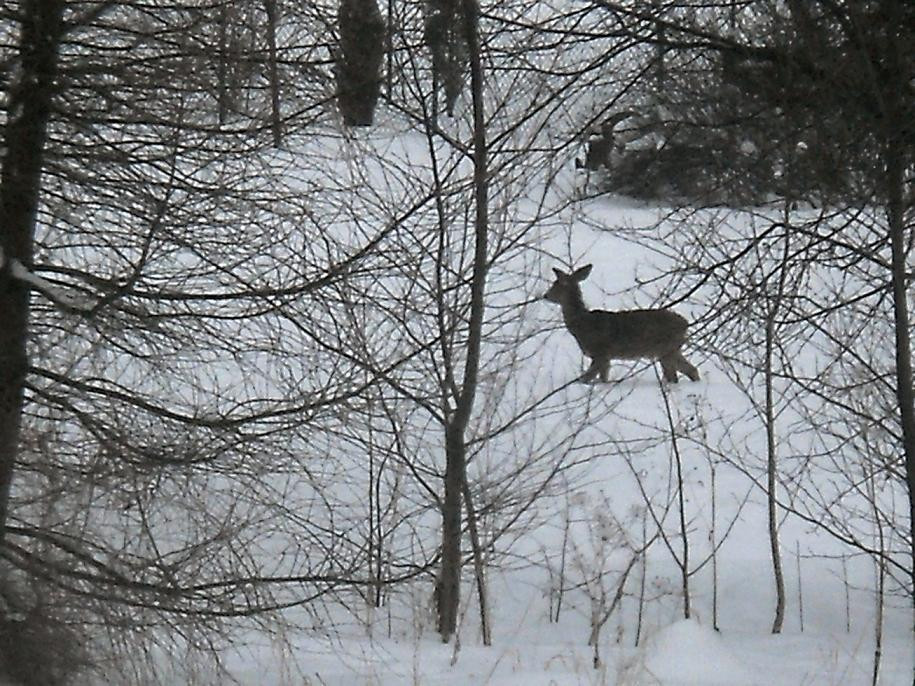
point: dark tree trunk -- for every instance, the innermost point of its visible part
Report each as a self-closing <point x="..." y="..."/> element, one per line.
<point x="276" y="120"/>
<point x="449" y="583"/>
<point x="905" y="394"/>
<point x="226" y="64"/>
<point x="362" y="39"/>
<point x="448" y="592"/>
<point x="444" y="34"/>
<point x="479" y="571"/>
<point x="25" y="135"/>
<point x="896" y="117"/>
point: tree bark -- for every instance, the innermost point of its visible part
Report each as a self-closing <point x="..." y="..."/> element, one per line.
<point x="20" y="180"/>
<point x="448" y="592"/>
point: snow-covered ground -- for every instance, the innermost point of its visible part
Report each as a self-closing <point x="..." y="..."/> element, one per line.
<point x="567" y="567"/>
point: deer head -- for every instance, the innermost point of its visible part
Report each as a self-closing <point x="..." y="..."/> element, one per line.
<point x="565" y="290"/>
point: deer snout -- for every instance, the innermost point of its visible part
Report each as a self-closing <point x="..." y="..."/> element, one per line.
<point x="551" y="295"/>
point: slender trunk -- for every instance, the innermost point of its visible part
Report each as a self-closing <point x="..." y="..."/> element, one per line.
<point x="560" y="591"/>
<point x="478" y="566"/>
<point x="375" y="535"/>
<point x="683" y="561"/>
<point x="895" y="115"/>
<point x="772" y="483"/>
<point x="29" y="109"/>
<point x="714" y="536"/>
<point x="389" y="52"/>
<point x="800" y="587"/>
<point x="455" y="445"/>
<point x="276" y="121"/>
<point x="879" y="570"/>
<point x="905" y="395"/>
<point x="370" y="544"/>
<point x="847" y="594"/>
<point x="878" y="620"/>
<point x="222" y="67"/>
<point x="771" y="444"/>
<point x="660" y="52"/>
<point x="643" y="578"/>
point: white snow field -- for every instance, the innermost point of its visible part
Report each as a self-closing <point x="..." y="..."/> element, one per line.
<point x="564" y="570"/>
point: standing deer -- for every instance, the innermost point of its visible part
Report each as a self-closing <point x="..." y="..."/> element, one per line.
<point x="627" y="335"/>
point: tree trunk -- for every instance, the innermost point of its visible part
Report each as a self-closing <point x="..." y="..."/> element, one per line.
<point x="226" y="64"/>
<point x="771" y="439"/>
<point x="362" y="41"/>
<point x="659" y="70"/>
<point x="276" y="121"/>
<point x="683" y="560"/>
<point x="476" y="547"/>
<point x="896" y="132"/>
<point x="772" y="484"/>
<point x="904" y="391"/>
<point x="448" y="590"/>
<point x="29" y="109"/>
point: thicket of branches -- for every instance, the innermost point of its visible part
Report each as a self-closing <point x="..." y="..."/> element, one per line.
<point x="219" y="330"/>
<point x="743" y="105"/>
<point x="249" y="327"/>
<point x="820" y="93"/>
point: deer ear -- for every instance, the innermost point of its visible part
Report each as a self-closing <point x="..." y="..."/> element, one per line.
<point x="559" y="273"/>
<point x="581" y="273"/>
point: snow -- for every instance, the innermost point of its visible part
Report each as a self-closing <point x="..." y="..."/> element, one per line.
<point x="584" y="536"/>
<point x="686" y="653"/>
<point x="397" y="644"/>
<point x="683" y="653"/>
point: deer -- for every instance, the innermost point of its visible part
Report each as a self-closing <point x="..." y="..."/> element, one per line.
<point x="655" y="334"/>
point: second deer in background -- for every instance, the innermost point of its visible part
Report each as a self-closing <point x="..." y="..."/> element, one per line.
<point x="654" y="334"/>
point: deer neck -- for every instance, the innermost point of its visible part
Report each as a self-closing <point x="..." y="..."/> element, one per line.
<point x="573" y="309"/>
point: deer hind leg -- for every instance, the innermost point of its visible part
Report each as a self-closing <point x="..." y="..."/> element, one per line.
<point x="686" y="367"/>
<point x="669" y="368"/>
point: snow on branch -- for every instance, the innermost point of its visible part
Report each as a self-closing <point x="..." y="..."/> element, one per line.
<point x="53" y="293"/>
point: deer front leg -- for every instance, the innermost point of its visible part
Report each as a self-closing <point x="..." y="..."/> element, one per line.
<point x="599" y="366"/>
<point x="603" y="367"/>
<point x="590" y="373"/>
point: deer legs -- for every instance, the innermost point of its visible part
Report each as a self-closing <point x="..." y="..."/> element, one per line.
<point x="599" y="366"/>
<point x="670" y="365"/>
<point x="675" y="362"/>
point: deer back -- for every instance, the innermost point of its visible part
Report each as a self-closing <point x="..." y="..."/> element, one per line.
<point x="628" y="334"/>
